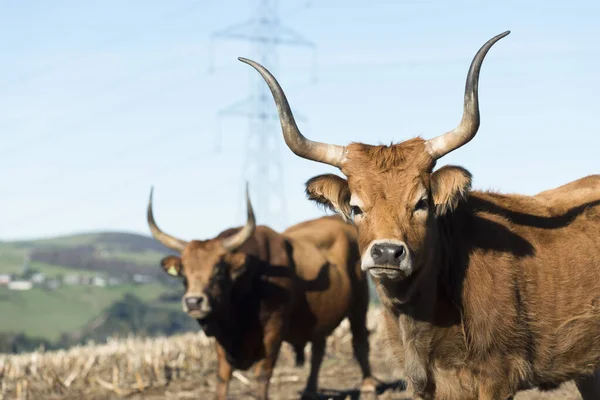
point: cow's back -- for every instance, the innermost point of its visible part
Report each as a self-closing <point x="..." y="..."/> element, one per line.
<point x="326" y="257"/>
<point x="572" y="194"/>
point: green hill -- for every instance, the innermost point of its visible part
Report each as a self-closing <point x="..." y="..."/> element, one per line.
<point x="131" y="248"/>
<point x="50" y="313"/>
<point x="132" y="315"/>
<point x="121" y="240"/>
<point x="53" y="308"/>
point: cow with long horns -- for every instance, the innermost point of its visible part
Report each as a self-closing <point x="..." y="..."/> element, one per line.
<point x="253" y="288"/>
<point x="485" y="294"/>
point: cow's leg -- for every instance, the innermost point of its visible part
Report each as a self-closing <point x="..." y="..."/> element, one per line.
<point x="589" y="388"/>
<point x="264" y="372"/>
<point x="316" y="358"/>
<point x="299" y="350"/>
<point x="264" y="368"/>
<point x="224" y="371"/>
<point x="360" y="342"/>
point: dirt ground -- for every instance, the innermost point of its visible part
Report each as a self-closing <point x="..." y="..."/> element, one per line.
<point x="339" y="379"/>
<point x="184" y="367"/>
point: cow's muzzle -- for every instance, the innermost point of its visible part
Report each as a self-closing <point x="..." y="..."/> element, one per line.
<point x="197" y="306"/>
<point x="387" y="258"/>
<point x="388" y="254"/>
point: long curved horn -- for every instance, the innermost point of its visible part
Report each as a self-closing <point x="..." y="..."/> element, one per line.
<point x="466" y="130"/>
<point x="236" y="241"/>
<point x="331" y="154"/>
<point x="169" y="241"/>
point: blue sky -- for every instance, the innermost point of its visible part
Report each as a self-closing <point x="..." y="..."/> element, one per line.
<point x="101" y="100"/>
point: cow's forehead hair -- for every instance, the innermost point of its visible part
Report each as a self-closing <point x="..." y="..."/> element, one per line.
<point x="201" y="255"/>
<point x="199" y="246"/>
<point x="397" y="169"/>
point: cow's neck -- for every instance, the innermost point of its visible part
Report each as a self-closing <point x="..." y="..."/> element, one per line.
<point x="413" y="331"/>
<point x="237" y="329"/>
<point x="430" y="307"/>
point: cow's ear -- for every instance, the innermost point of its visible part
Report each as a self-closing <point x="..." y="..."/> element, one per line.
<point x="450" y="185"/>
<point x="330" y="191"/>
<point x="172" y="265"/>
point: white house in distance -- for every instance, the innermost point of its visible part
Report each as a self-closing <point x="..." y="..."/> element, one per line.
<point x="71" y="279"/>
<point x="142" y="278"/>
<point x="20" y="285"/>
<point x="5" y="279"/>
<point x="99" y="281"/>
<point x="38" y="278"/>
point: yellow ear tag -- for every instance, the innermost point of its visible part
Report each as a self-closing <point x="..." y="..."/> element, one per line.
<point x="172" y="271"/>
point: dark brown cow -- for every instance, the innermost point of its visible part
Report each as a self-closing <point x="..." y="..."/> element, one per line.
<point x="485" y="294"/>
<point x="253" y="288"/>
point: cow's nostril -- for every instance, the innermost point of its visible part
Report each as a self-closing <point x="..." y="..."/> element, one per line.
<point x="376" y="251"/>
<point x="399" y="252"/>
<point x="193" y="303"/>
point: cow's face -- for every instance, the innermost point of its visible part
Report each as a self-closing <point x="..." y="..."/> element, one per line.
<point x="210" y="268"/>
<point x="390" y="192"/>
<point x="208" y="272"/>
<point x="394" y="200"/>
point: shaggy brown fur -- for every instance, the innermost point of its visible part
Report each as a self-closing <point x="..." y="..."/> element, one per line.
<point x="506" y="289"/>
<point x="296" y="287"/>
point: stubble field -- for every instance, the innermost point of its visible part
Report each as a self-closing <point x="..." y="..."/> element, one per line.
<point x="183" y="367"/>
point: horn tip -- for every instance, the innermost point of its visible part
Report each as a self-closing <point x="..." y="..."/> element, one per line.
<point x="248" y="202"/>
<point x="501" y="35"/>
<point x="253" y="64"/>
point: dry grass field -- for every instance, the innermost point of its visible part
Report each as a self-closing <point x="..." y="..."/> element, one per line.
<point x="183" y="367"/>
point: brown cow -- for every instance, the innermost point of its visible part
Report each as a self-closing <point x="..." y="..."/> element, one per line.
<point x="485" y="294"/>
<point x="253" y="288"/>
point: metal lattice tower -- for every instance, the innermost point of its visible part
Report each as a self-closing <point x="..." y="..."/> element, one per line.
<point x="262" y="166"/>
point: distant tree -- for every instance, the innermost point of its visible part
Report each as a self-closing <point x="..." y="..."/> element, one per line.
<point x="29" y="272"/>
<point x="14" y="343"/>
<point x="131" y="315"/>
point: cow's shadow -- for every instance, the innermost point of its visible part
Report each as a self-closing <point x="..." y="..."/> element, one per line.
<point x="353" y="394"/>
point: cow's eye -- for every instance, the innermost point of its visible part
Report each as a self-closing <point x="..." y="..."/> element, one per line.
<point x="421" y="205"/>
<point x="355" y="211"/>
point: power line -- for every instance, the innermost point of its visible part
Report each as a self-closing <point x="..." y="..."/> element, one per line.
<point x="262" y="166"/>
<point x="142" y="210"/>
<point x="129" y="78"/>
<point x="181" y="11"/>
<point x="83" y="200"/>
<point x="37" y="140"/>
<point x="99" y="162"/>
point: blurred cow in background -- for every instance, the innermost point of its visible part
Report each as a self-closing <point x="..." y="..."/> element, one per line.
<point x="253" y="288"/>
